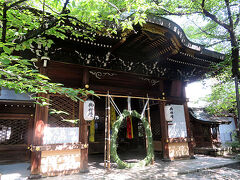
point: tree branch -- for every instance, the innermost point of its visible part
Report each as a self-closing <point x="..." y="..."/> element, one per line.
<point x="16" y="3"/>
<point x="114" y="6"/>
<point x="175" y="13"/>
<point x="48" y="25"/>
<point x="36" y="12"/>
<point x="34" y="33"/>
<point x="238" y="17"/>
<point x="76" y="19"/>
<point x="229" y="14"/>
<point x="10" y="73"/>
<point x="213" y="17"/>
<point x="4" y="24"/>
<point x="50" y="9"/>
<point x="52" y="22"/>
<point x="213" y="44"/>
<point x="205" y="31"/>
<point x="64" y="7"/>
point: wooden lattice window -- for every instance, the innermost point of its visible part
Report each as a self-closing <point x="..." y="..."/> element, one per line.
<point x="13" y="131"/>
<point x="155" y="124"/>
<point x="63" y="103"/>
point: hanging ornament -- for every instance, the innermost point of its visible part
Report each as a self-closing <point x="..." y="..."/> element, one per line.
<point x="129" y="121"/>
<point x="129" y="127"/>
<point x="113" y="115"/>
<point x="92" y="132"/>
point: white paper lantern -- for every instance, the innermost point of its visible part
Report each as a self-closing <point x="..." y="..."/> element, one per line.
<point x="89" y="110"/>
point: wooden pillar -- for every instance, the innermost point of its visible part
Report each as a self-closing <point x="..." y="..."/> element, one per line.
<point x="235" y="122"/>
<point x="83" y="130"/>
<point x="164" y="131"/>
<point x="176" y="88"/>
<point x="161" y="87"/>
<point x="108" y="134"/>
<point x="187" y="119"/>
<point x="83" y="139"/>
<point x="189" y="133"/>
<point x="40" y="119"/>
<point x="211" y="135"/>
<point x="30" y="135"/>
<point x="105" y="133"/>
<point x="218" y="134"/>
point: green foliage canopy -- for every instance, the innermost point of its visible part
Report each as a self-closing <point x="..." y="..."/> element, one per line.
<point x="215" y="23"/>
<point x="28" y="22"/>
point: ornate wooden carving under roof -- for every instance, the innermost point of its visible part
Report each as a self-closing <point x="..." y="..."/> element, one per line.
<point x="158" y="49"/>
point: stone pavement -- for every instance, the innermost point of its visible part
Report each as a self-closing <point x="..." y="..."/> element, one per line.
<point x="14" y="171"/>
<point x="224" y="173"/>
<point x="199" y="168"/>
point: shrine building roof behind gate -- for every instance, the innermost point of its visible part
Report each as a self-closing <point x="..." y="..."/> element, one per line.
<point x="158" y="49"/>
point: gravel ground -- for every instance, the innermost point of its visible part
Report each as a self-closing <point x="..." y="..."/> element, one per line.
<point x="203" y="167"/>
<point x="161" y="170"/>
<point x="224" y="173"/>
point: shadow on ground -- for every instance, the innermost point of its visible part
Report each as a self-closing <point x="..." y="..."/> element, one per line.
<point x="199" y="168"/>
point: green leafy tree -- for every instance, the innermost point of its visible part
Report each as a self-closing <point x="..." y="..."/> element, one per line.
<point x="214" y="23"/>
<point x="216" y="20"/>
<point x="222" y="100"/>
<point x="218" y="27"/>
<point x="28" y="22"/>
<point x="25" y="23"/>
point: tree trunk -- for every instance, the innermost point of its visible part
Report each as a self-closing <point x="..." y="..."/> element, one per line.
<point x="235" y="54"/>
<point x="235" y="72"/>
